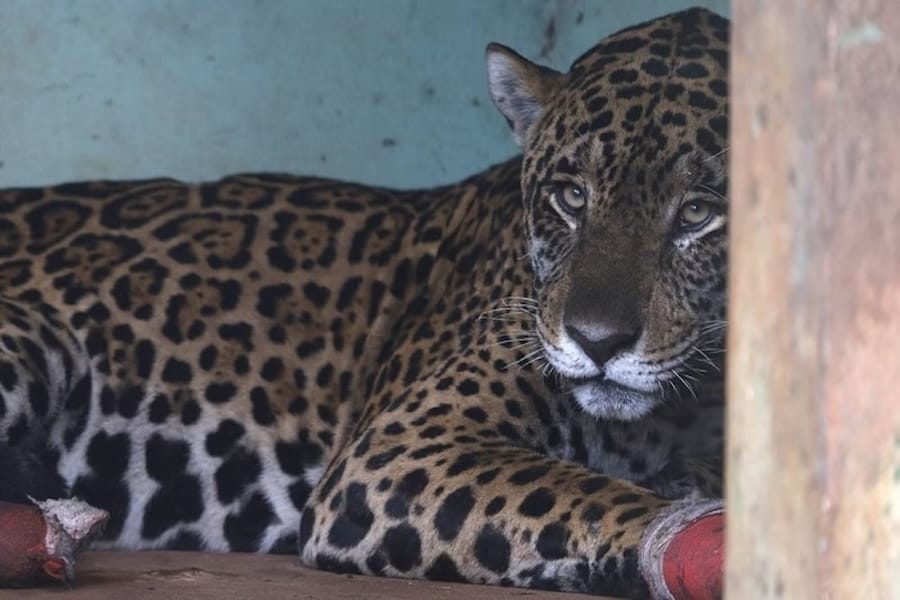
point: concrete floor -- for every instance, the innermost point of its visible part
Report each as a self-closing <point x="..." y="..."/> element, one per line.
<point x="196" y="575"/>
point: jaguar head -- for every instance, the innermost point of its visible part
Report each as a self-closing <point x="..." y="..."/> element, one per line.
<point x="624" y="182"/>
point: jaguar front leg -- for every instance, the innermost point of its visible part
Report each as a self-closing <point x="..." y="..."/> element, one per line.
<point x="44" y="398"/>
<point x="453" y="506"/>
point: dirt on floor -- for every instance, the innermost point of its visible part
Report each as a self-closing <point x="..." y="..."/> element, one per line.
<point x="195" y="575"/>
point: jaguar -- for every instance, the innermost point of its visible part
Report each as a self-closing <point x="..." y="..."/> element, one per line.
<point x="511" y="380"/>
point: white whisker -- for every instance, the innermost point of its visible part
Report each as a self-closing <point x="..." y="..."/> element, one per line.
<point x="717" y="154"/>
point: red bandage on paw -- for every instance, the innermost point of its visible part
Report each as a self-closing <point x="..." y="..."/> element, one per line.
<point x="38" y="542"/>
<point x="683" y="551"/>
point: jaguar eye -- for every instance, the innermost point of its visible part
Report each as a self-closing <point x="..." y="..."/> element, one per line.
<point x="695" y="215"/>
<point x="570" y="198"/>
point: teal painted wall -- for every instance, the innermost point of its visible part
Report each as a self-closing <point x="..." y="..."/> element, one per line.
<point x="388" y="92"/>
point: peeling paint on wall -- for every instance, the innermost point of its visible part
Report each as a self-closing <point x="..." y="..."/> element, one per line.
<point x="389" y="92"/>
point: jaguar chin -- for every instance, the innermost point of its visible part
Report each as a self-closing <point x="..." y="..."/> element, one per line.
<point x="608" y="400"/>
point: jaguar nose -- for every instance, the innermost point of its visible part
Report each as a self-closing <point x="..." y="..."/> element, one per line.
<point x="600" y="343"/>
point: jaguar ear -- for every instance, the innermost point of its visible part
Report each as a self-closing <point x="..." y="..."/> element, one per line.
<point x="519" y="88"/>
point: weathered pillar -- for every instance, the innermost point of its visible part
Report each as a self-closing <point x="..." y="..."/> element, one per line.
<point x="814" y="346"/>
